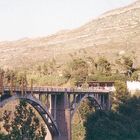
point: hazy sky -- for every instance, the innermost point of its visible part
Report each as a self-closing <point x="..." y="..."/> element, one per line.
<point x="34" y="18"/>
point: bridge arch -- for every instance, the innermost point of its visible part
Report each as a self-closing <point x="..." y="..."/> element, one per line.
<point x="37" y="105"/>
<point x="78" y="100"/>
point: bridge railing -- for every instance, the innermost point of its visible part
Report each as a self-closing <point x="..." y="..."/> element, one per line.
<point x="56" y="89"/>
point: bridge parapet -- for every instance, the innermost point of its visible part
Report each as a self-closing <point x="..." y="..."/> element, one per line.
<point x="57" y="90"/>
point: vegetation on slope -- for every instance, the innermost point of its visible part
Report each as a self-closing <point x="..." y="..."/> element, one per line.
<point x="80" y="68"/>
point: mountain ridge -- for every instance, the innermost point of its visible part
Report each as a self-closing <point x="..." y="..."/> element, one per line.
<point x="114" y="31"/>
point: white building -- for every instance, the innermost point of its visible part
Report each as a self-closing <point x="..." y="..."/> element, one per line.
<point x="133" y="86"/>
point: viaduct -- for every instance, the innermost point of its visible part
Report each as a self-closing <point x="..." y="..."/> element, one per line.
<point x="60" y="104"/>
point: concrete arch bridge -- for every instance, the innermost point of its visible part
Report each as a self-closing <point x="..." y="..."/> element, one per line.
<point x="60" y="104"/>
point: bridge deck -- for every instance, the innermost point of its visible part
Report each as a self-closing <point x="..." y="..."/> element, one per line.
<point x="55" y="90"/>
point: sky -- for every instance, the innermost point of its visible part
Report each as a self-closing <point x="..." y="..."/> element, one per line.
<point x="36" y="18"/>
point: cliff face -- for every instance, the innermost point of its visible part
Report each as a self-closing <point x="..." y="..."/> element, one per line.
<point x="108" y="35"/>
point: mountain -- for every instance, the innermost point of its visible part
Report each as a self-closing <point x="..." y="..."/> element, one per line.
<point x="110" y="34"/>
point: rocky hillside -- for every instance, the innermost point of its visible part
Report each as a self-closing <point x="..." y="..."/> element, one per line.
<point x="113" y="32"/>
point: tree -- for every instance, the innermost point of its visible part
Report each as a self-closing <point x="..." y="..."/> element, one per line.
<point x="3" y="137"/>
<point x="85" y="108"/>
<point x="121" y="92"/>
<point x="126" y="64"/>
<point x="122" y="124"/>
<point x="101" y="127"/>
<point x="25" y="124"/>
<point x="77" y="70"/>
<point x="21" y="79"/>
<point x="135" y="76"/>
<point x="103" y="65"/>
<point x="45" y="69"/>
<point x="52" y="66"/>
<point x="39" y="69"/>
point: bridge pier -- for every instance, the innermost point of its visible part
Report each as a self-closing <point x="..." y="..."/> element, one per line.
<point x="60" y="110"/>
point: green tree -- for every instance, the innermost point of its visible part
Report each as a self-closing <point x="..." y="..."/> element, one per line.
<point x="25" y="124"/>
<point x="123" y="124"/>
<point x="121" y="92"/>
<point x="52" y="66"/>
<point x="45" y="69"/>
<point x="3" y="137"/>
<point x="126" y="63"/>
<point x="135" y="76"/>
<point x="77" y="70"/>
<point x="103" y="65"/>
<point x="85" y="108"/>
<point x="39" y="69"/>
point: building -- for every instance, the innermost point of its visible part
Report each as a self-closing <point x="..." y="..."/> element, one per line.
<point x="109" y="85"/>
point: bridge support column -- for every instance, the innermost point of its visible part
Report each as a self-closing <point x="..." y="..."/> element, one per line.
<point x="109" y="101"/>
<point x="60" y="107"/>
<point x="106" y="101"/>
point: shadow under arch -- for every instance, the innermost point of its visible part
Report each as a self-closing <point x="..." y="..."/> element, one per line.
<point x="36" y="104"/>
<point x="80" y="98"/>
